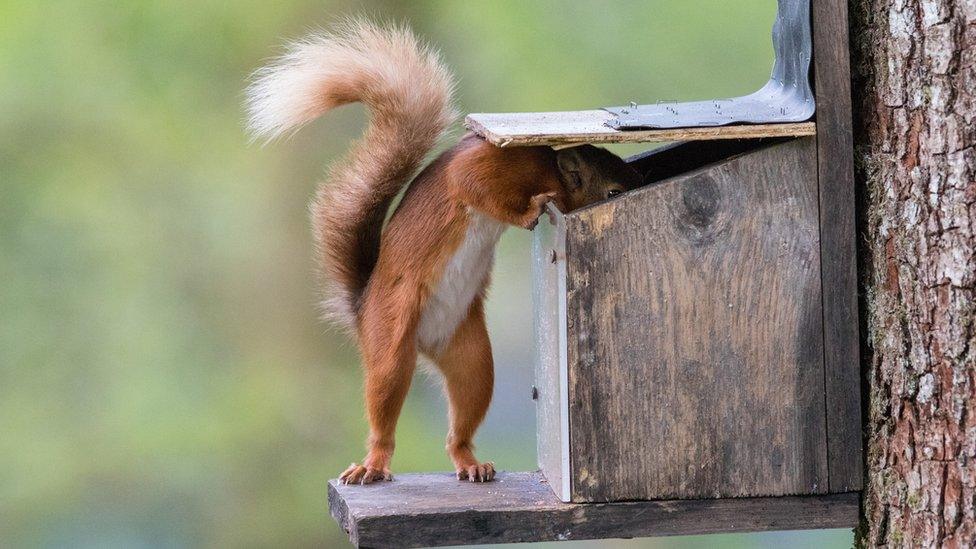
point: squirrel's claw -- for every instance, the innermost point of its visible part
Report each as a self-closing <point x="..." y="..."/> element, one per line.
<point x="359" y="474"/>
<point x="483" y="472"/>
<point x="537" y="206"/>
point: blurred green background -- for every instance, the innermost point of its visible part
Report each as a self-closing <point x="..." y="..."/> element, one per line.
<point x="164" y="379"/>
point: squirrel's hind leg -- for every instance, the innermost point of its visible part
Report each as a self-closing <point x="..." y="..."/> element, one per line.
<point x="389" y="359"/>
<point x="469" y="379"/>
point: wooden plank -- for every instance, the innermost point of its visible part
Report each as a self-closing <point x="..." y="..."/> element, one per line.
<point x="838" y="245"/>
<point x="577" y="127"/>
<point x="695" y="336"/>
<point x="549" y="308"/>
<point x="425" y="510"/>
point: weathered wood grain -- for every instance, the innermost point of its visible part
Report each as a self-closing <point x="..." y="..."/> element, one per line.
<point x="424" y="510"/>
<point x="549" y="306"/>
<point x="577" y="127"/>
<point x="838" y="260"/>
<point x="695" y="334"/>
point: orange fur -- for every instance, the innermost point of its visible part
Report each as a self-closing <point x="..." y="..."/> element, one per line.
<point x="392" y="284"/>
<point x="419" y="239"/>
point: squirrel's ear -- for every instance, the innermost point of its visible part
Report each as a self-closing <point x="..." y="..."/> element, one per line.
<point x="569" y="161"/>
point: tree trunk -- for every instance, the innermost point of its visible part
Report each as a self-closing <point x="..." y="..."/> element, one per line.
<point x="914" y="93"/>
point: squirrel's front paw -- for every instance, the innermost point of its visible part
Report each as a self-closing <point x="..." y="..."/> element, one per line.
<point x="537" y="205"/>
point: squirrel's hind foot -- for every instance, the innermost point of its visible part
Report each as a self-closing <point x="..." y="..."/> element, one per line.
<point x="477" y="472"/>
<point x="360" y="474"/>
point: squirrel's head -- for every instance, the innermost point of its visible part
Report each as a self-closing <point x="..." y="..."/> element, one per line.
<point x="591" y="174"/>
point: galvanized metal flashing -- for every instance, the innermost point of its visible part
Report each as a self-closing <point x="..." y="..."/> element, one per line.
<point x="787" y="97"/>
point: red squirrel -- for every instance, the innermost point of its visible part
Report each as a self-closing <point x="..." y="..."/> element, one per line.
<point x="417" y="285"/>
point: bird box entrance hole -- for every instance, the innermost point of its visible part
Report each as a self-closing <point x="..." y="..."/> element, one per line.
<point x="697" y="338"/>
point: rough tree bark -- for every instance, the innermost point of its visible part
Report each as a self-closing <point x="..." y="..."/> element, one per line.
<point x="915" y="103"/>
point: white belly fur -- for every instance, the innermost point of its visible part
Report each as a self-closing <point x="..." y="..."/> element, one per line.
<point x="463" y="277"/>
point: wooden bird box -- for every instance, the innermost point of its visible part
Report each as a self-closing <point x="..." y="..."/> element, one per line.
<point x="681" y="347"/>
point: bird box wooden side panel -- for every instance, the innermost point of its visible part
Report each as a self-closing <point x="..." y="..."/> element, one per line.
<point x="550" y="390"/>
<point x="695" y="337"/>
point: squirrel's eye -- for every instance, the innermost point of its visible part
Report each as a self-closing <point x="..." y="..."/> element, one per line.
<point x="613" y="192"/>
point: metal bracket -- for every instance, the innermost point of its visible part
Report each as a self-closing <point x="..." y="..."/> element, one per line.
<point x="787" y="97"/>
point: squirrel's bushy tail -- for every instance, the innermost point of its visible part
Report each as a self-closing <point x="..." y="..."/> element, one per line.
<point x="408" y="91"/>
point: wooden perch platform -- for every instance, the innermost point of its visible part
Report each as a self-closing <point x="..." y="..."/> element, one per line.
<point x="423" y="510"/>
<point x="578" y="127"/>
